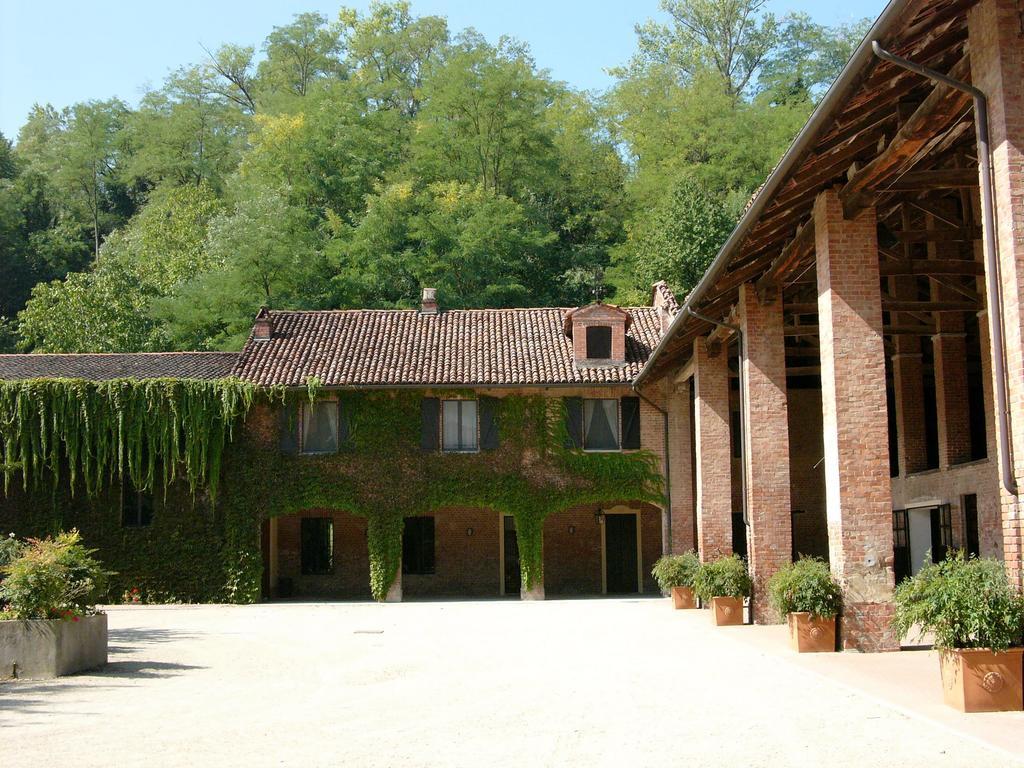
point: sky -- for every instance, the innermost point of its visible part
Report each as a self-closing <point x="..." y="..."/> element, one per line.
<point x="72" y="50"/>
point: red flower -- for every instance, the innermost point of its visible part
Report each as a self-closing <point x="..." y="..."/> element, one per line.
<point x="75" y="618"/>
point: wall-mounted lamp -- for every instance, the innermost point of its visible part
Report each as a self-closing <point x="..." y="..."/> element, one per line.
<point x="469" y="531"/>
<point x="572" y="529"/>
<point x="599" y="516"/>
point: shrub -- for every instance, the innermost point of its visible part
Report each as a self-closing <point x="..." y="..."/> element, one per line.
<point x="805" y="586"/>
<point x="676" y="570"/>
<point x="965" y="602"/>
<point x="725" y="577"/>
<point x="52" y="578"/>
<point x="10" y="549"/>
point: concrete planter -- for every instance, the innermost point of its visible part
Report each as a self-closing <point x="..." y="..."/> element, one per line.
<point x="978" y="680"/>
<point x="811" y="634"/>
<point x="682" y="598"/>
<point x="51" y="648"/>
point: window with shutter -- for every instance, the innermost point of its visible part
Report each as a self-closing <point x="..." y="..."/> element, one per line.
<point x="601" y="425"/>
<point x="458" y="426"/>
<point x="288" y="428"/>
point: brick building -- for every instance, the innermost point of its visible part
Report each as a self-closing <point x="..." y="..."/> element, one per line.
<point x="453" y="372"/>
<point x="860" y="331"/>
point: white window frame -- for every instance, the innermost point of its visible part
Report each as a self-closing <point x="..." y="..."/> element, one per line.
<point x="476" y="428"/>
<point x="305" y="407"/>
<point x="618" y="428"/>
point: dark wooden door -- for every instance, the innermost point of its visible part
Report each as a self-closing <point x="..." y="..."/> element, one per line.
<point x="620" y="554"/>
<point x="513" y="579"/>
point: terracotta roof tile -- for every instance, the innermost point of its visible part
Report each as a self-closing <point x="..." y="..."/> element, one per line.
<point x="456" y="347"/>
<point x="139" y="365"/>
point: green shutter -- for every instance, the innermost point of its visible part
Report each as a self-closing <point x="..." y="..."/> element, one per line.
<point x="489" y="438"/>
<point x="430" y="408"/>
<point x="573" y="421"/>
<point x="288" y="425"/>
<point x="630" y="423"/>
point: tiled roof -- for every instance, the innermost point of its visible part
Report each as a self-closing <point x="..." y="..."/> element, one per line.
<point x="460" y="347"/>
<point x="139" y="365"/>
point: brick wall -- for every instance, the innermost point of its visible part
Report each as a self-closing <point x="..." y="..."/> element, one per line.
<point x="713" y="453"/>
<point x="572" y="548"/>
<point x="997" y="68"/>
<point x="464" y="564"/>
<point x="351" y="573"/>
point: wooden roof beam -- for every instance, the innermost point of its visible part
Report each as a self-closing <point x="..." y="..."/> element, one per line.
<point x="931" y="267"/>
<point x="937" y="112"/>
<point x="792" y="253"/>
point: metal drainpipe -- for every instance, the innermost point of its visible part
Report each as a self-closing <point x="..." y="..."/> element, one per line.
<point x="993" y="283"/>
<point x="668" y="465"/>
<point x="743" y="399"/>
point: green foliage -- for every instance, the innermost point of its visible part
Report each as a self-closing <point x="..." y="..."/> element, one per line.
<point x="120" y="428"/>
<point x="51" y="578"/>
<point x="384" y="477"/>
<point x="679" y="239"/>
<point x="965" y="602"/>
<point x="725" y="577"/>
<point x="676" y="570"/>
<point x="805" y="586"/>
<point x="10" y="549"/>
<point x="151" y="257"/>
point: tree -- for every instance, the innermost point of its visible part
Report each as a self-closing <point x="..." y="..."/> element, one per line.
<point x="186" y="132"/>
<point x="478" y="248"/>
<point x="679" y="240"/>
<point x="731" y="38"/>
<point x="807" y="58"/>
<point x="232" y="75"/>
<point x="393" y="53"/>
<point x="81" y="158"/>
<point x="299" y="53"/>
<point x="483" y="119"/>
<point x="107" y="309"/>
<point x="262" y="252"/>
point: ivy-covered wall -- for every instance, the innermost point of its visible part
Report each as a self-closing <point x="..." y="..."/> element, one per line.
<point x="201" y="548"/>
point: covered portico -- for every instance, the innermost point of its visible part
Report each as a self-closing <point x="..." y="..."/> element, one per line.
<point x="855" y="338"/>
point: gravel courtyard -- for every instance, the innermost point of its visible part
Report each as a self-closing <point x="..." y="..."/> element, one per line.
<point x="583" y="682"/>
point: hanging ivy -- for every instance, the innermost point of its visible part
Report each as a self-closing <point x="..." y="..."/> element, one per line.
<point x="101" y="431"/>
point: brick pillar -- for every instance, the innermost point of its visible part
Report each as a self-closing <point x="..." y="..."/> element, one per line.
<point x="997" y="68"/>
<point x="681" y="465"/>
<point x="857" y="485"/>
<point x="908" y="386"/>
<point x="712" y="454"/>
<point x="765" y="444"/>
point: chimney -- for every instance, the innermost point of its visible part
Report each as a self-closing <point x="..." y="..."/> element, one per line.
<point x="429" y="303"/>
<point x="263" y="327"/>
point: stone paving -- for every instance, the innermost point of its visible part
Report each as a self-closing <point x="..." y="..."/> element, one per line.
<point x="492" y="683"/>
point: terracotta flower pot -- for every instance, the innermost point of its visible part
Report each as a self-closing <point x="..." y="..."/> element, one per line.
<point x="727" y="611"/>
<point x="682" y="597"/>
<point x="978" y="680"/>
<point x="811" y="634"/>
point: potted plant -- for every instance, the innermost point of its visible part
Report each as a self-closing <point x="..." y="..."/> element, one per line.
<point x="810" y="598"/>
<point x="724" y="583"/>
<point x="675" y="575"/>
<point x="49" y="625"/>
<point x="977" y="620"/>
